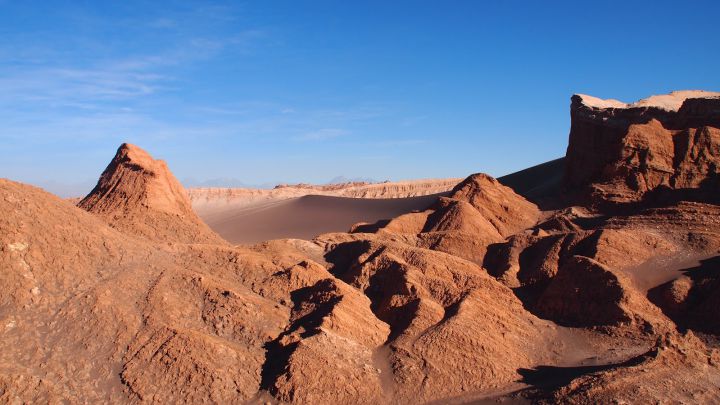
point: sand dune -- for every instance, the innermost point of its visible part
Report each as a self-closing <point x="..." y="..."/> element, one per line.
<point x="304" y="217"/>
<point x="536" y="182"/>
<point x="218" y="197"/>
<point x="242" y="215"/>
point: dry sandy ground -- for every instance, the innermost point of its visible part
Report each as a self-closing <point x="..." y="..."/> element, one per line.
<point x="305" y="211"/>
<point x="304" y="217"/>
<point x="251" y="216"/>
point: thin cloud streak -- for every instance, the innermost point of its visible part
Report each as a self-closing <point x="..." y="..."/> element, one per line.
<point x="323" y="134"/>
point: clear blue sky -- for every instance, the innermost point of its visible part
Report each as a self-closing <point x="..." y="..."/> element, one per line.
<point x="291" y="91"/>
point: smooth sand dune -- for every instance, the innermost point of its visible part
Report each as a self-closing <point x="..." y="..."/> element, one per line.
<point x="537" y="181"/>
<point x="305" y="217"/>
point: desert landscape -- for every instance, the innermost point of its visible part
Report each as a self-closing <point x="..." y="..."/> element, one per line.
<point x="593" y="278"/>
<point x="304" y="210"/>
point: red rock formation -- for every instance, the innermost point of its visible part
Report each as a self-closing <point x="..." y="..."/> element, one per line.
<point x="587" y="293"/>
<point x="692" y="300"/>
<point x="138" y="195"/>
<point x="507" y="211"/>
<point x="331" y="323"/>
<point x="678" y="369"/>
<point x="478" y="212"/>
<point x="431" y="299"/>
<point x="627" y="150"/>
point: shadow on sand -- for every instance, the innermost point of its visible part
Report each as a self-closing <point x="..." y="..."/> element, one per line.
<point x="550" y="378"/>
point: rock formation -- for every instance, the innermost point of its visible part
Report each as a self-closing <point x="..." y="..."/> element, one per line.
<point x="692" y="299"/>
<point x="678" y="369"/>
<point x="479" y="211"/>
<point x="138" y="194"/>
<point x="167" y="320"/>
<point x="585" y="293"/>
<point x="626" y="150"/>
<point x="430" y="299"/>
<point x="610" y="296"/>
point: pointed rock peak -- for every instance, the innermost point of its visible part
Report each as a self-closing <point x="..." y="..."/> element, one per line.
<point x="138" y="194"/>
<point x="131" y="153"/>
<point x="508" y="211"/>
<point x="134" y="180"/>
<point x="475" y="180"/>
<point x="481" y="185"/>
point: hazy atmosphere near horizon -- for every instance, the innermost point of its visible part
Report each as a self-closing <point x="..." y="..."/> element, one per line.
<point x="258" y="93"/>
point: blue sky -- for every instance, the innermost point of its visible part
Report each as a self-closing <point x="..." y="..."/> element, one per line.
<point x="294" y="91"/>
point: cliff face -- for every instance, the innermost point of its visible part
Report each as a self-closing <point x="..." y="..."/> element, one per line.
<point x="624" y="150"/>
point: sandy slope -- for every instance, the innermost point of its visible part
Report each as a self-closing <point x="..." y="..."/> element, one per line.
<point x="304" y="211"/>
<point x="304" y="217"/>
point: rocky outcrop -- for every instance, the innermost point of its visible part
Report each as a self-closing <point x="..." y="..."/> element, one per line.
<point x="177" y="322"/>
<point x="400" y="189"/>
<point x="587" y="293"/>
<point x="182" y="323"/>
<point x="478" y="212"/>
<point x="678" y="369"/>
<point x="330" y="323"/>
<point x="693" y="300"/>
<point x="139" y="195"/>
<point x="625" y="150"/>
<point x="432" y="302"/>
<point x="48" y="245"/>
<point x="507" y="211"/>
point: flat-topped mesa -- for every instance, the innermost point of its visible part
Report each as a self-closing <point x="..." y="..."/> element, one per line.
<point x="624" y="150"/>
<point x="676" y="110"/>
<point x="139" y="195"/>
<point x="672" y="102"/>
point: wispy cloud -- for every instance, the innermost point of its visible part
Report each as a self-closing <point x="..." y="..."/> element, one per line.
<point x="323" y="134"/>
<point x="117" y="79"/>
<point x="67" y="67"/>
<point x="92" y="95"/>
<point x="399" y="142"/>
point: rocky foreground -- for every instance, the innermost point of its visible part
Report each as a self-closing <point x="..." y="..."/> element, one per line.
<point x="601" y="288"/>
